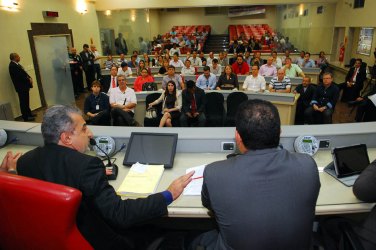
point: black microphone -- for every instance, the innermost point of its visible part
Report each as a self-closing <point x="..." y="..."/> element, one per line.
<point x="109" y="165"/>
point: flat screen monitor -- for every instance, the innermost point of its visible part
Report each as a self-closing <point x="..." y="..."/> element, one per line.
<point x="350" y="160"/>
<point x="151" y="148"/>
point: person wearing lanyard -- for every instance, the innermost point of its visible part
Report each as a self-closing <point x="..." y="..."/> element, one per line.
<point x="207" y="80"/>
<point x="97" y="106"/>
<point x="123" y="101"/>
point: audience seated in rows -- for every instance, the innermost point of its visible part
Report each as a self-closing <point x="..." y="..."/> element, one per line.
<point x="187" y="69"/>
<point x="124" y="70"/>
<point x="228" y="80"/>
<point x="97" y="106"/>
<point x="196" y="61"/>
<point x="240" y="67"/>
<point x="176" y="62"/>
<point x="215" y="68"/>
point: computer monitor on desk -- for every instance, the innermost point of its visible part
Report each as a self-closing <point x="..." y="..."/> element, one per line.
<point x="151" y="148"/>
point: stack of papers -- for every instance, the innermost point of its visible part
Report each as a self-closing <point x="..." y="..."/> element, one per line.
<point x="141" y="180"/>
<point x="195" y="186"/>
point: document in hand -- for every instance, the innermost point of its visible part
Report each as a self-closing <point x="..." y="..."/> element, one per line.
<point x="195" y="186"/>
<point x="141" y="180"/>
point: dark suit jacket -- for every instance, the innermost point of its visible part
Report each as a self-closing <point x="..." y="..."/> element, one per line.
<point x="264" y="199"/>
<point x="361" y="75"/>
<point x="101" y="210"/>
<point x="364" y="189"/>
<point x="19" y="77"/>
<point x="187" y="100"/>
<point x="106" y="83"/>
<point x="86" y="59"/>
<point x="305" y="97"/>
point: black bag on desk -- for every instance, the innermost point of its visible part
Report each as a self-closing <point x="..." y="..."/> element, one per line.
<point x="149" y="86"/>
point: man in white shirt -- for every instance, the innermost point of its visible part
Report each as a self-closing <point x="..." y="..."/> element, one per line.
<point x="174" y="50"/>
<point x="215" y="67"/>
<point x="121" y="59"/>
<point x="268" y="69"/>
<point x="176" y="62"/>
<point x="254" y="82"/>
<point x="124" y="70"/>
<point x="277" y="62"/>
<point x="196" y="61"/>
<point x="123" y="101"/>
<point x="210" y="59"/>
<point x="187" y="69"/>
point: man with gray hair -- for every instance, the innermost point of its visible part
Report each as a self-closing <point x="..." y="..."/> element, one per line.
<point x="102" y="213"/>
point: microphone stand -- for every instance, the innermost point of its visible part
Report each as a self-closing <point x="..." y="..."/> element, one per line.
<point x="109" y="165"/>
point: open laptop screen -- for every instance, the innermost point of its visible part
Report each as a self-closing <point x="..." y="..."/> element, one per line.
<point x="151" y="148"/>
<point x="350" y="160"/>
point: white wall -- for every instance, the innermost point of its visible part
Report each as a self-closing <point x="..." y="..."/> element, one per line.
<point x="14" y="38"/>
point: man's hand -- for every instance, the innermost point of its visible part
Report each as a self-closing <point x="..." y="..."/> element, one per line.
<point x="10" y="161"/>
<point x="196" y="114"/>
<point x="189" y="114"/>
<point x="315" y="107"/>
<point x="349" y="84"/>
<point x="359" y="99"/>
<point x="178" y="185"/>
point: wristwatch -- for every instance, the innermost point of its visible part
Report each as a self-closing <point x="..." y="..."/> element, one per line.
<point x="12" y="171"/>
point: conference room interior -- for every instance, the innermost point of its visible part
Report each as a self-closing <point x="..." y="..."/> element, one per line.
<point x="312" y="27"/>
<point x="301" y="21"/>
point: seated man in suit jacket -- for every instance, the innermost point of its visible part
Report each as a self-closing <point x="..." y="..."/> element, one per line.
<point x="306" y="91"/>
<point x="103" y="216"/>
<point x="354" y="82"/>
<point x="193" y="107"/>
<point x="254" y="196"/>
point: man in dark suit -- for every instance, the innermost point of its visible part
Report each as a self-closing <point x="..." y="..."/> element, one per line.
<point x="193" y="106"/>
<point x="88" y="64"/>
<point x="102" y="214"/>
<point x="121" y="45"/>
<point x="306" y="91"/>
<point x="254" y="196"/>
<point x="354" y="82"/>
<point x="22" y="83"/>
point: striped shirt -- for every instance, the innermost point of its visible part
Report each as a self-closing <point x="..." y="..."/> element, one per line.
<point x="280" y="85"/>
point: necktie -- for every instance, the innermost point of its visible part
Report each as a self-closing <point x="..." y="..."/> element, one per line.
<point x="113" y="82"/>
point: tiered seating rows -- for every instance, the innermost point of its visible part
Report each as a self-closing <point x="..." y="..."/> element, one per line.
<point x="254" y="30"/>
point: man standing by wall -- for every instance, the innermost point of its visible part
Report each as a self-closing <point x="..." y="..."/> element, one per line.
<point x="121" y="45"/>
<point x="88" y="65"/>
<point x="22" y="83"/>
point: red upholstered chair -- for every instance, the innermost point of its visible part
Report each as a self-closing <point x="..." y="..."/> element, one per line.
<point x="38" y="215"/>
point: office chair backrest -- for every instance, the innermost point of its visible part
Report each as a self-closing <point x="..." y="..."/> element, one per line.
<point x="214" y="111"/>
<point x="38" y="215"/>
<point x="233" y="101"/>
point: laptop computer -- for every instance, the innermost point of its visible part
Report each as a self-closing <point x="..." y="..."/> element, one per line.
<point x="348" y="163"/>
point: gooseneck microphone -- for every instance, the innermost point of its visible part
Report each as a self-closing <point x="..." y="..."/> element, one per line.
<point x="109" y="165"/>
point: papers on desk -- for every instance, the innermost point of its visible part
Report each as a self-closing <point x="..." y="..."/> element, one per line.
<point x="195" y="186"/>
<point x="373" y="99"/>
<point x="141" y="180"/>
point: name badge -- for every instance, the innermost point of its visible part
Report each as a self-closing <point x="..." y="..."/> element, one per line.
<point x="97" y="107"/>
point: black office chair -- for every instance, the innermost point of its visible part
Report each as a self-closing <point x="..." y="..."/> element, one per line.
<point x="233" y="101"/>
<point x="153" y="122"/>
<point x="215" y="111"/>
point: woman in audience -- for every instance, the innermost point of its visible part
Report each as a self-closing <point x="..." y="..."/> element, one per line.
<point x="141" y="66"/>
<point x="163" y="69"/>
<point x="147" y="60"/>
<point x="228" y="80"/>
<point x="171" y="105"/>
<point x="157" y="61"/>
<point x="322" y="62"/>
<point x="140" y="80"/>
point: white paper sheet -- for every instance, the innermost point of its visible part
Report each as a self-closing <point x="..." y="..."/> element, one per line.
<point x="195" y="186"/>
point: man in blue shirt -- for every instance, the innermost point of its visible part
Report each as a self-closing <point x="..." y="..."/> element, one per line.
<point x="97" y="106"/>
<point x="207" y="80"/>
